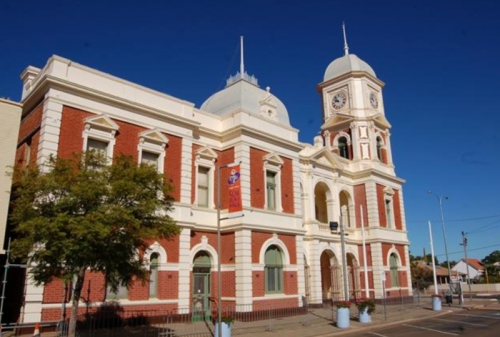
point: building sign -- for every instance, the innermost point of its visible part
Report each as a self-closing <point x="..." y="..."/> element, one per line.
<point x="234" y="182"/>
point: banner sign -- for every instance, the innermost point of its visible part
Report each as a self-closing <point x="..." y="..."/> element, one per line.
<point x="234" y="182"/>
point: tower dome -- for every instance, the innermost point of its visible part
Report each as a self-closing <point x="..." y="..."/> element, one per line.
<point x="346" y="64"/>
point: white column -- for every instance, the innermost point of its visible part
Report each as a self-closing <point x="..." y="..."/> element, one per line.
<point x="355" y="141"/>
<point x="242" y="154"/>
<point x="388" y="147"/>
<point x="402" y="209"/>
<point x="377" y="268"/>
<point x="185" y="268"/>
<point x="50" y="130"/>
<point x="243" y="263"/>
<point x="32" y="309"/>
<point x="301" y="283"/>
<point x="186" y="170"/>
<point x="408" y="270"/>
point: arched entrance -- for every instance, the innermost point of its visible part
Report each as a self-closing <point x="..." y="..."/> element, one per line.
<point x="321" y="196"/>
<point x="346" y="209"/>
<point x="201" y="286"/>
<point x="353" y="277"/>
<point x="330" y="277"/>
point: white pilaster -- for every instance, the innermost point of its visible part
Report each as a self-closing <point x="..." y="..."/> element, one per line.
<point x="184" y="268"/>
<point x="378" y="267"/>
<point x="315" y="270"/>
<point x="32" y="309"/>
<point x="408" y="271"/>
<point x="50" y="130"/>
<point x="372" y="204"/>
<point x="297" y="197"/>
<point x="186" y="170"/>
<point x="402" y="209"/>
<point x="242" y="154"/>
<point x="243" y="265"/>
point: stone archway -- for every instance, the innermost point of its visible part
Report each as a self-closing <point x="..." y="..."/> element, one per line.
<point x="353" y="273"/>
<point x="330" y="277"/>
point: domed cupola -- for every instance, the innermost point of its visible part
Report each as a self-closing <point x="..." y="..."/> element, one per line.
<point x="242" y="93"/>
<point x="346" y="64"/>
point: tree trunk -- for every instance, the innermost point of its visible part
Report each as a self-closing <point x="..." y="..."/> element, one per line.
<point x="76" y="300"/>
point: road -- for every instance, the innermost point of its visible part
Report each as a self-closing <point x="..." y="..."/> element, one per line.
<point x="474" y="323"/>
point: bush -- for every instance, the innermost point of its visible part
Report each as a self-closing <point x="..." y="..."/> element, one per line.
<point x="366" y="304"/>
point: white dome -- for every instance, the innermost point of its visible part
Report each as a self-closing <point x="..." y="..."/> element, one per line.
<point x="242" y="95"/>
<point x="346" y="64"/>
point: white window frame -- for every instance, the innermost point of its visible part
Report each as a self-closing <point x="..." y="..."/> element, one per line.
<point x="153" y="141"/>
<point x="273" y="163"/>
<point x="389" y="196"/>
<point x="205" y="157"/>
<point x="100" y="128"/>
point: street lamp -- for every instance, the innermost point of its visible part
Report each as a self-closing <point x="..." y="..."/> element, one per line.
<point x="440" y="201"/>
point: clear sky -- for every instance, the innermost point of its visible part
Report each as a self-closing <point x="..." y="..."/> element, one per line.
<point x="439" y="59"/>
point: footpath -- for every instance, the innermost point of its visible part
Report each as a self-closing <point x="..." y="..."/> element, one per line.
<point x="395" y="315"/>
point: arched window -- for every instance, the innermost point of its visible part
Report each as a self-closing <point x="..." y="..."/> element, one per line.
<point x="153" y="275"/>
<point x="274" y="270"/>
<point x="343" y="147"/>
<point x="393" y="262"/>
<point x="380" y="144"/>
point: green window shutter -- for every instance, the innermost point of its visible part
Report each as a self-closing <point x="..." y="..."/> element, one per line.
<point x="273" y="270"/>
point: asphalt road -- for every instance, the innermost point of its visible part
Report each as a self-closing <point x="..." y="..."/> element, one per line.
<point x="474" y="323"/>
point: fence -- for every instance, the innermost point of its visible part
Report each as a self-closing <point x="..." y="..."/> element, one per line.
<point x="186" y="322"/>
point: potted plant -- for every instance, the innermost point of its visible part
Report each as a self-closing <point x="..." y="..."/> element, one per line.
<point x="436" y="302"/>
<point x="366" y="307"/>
<point x="343" y="308"/>
<point x="227" y="320"/>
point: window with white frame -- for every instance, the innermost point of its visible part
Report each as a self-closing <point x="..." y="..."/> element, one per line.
<point x="389" y="207"/>
<point x="393" y="262"/>
<point x="271" y="190"/>
<point x="151" y="148"/>
<point x="153" y="275"/>
<point x="99" y="135"/>
<point x="272" y="177"/>
<point x="205" y="168"/>
<point x="203" y="186"/>
<point x="120" y="294"/>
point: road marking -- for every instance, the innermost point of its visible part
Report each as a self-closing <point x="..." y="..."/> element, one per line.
<point x="460" y="322"/>
<point x="429" y="329"/>
<point x="482" y="316"/>
<point x="377" y="334"/>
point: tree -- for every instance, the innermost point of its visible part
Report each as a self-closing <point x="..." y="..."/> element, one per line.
<point x="86" y="215"/>
<point x="420" y="276"/>
<point x="492" y="257"/>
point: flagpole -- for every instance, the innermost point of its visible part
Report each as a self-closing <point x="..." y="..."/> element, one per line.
<point x="433" y="260"/>
<point x="365" y="262"/>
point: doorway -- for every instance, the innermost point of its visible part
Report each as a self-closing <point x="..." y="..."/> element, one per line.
<point x="201" y="287"/>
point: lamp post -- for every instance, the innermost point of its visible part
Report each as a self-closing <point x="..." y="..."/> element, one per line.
<point x="219" y="278"/>
<point x="440" y="201"/>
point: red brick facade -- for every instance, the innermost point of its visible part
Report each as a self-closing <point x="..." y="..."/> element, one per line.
<point x="360" y="200"/>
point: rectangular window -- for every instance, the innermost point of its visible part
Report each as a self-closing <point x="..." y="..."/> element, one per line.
<point x="203" y="186"/>
<point x="121" y="293"/>
<point x="150" y="158"/>
<point x="98" y="146"/>
<point x="388" y="212"/>
<point x="271" y="190"/>
<point x="27" y="154"/>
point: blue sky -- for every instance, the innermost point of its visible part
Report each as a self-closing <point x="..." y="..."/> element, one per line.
<point x="439" y="59"/>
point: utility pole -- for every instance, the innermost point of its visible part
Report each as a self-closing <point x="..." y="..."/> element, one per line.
<point x="464" y="243"/>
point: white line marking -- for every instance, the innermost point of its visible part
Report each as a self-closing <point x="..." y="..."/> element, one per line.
<point x="460" y="322"/>
<point x="482" y="316"/>
<point x="377" y="334"/>
<point x="428" y="329"/>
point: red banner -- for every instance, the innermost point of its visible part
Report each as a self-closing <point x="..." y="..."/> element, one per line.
<point x="234" y="182"/>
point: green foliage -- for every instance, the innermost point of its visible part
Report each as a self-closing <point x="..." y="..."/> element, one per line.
<point x="85" y="214"/>
<point x="492" y="258"/>
<point x="366" y="304"/>
<point x="420" y="277"/>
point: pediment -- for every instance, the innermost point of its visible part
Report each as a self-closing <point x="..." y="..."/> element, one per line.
<point x="154" y="135"/>
<point x="103" y="122"/>
<point x="326" y="158"/>
<point x="274" y="159"/>
<point x="336" y="120"/>
<point x="206" y="152"/>
<point x="382" y="122"/>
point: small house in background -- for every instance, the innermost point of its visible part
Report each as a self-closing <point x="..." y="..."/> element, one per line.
<point x="476" y="268"/>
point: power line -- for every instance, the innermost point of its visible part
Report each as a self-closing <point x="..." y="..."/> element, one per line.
<point x="471" y="250"/>
<point x="459" y="220"/>
<point x="483" y="228"/>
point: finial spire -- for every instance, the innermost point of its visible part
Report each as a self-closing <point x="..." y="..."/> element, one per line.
<point x="242" y="63"/>
<point x="346" y="47"/>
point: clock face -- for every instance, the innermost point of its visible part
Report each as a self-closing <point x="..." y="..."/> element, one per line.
<point x="339" y="100"/>
<point x="374" y="100"/>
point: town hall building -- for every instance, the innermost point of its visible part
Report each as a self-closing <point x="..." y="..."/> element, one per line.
<point x="286" y="250"/>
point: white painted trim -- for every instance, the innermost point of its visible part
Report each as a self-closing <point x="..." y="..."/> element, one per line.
<point x="204" y="246"/>
<point x="158" y="249"/>
<point x="277" y="242"/>
<point x="275" y="297"/>
<point x="124" y="302"/>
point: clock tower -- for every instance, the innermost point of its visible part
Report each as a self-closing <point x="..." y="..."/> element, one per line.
<point x="354" y="124"/>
